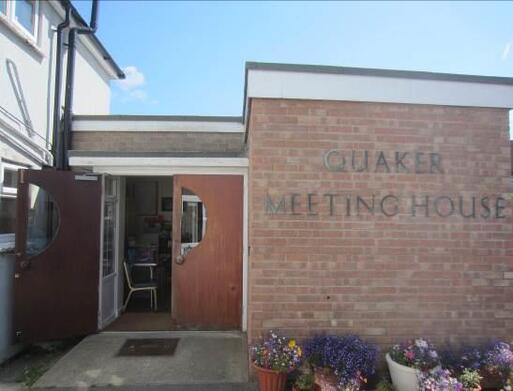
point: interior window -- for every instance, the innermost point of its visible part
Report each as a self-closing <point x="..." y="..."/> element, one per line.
<point x="43" y="220"/>
<point x="25" y="14"/>
<point x="194" y="218"/>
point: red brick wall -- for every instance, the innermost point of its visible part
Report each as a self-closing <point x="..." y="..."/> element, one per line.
<point x="384" y="278"/>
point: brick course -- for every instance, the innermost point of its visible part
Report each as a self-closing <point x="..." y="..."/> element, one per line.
<point x="384" y="278"/>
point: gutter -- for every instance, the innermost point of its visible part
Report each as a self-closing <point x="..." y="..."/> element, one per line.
<point x="96" y="42"/>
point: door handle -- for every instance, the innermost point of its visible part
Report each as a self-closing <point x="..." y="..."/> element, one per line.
<point x="180" y="260"/>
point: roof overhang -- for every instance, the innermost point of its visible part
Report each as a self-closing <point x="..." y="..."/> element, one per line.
<point x="289" y="81"/>
<point x="157" y="163"/>
<point x="90" y="41"/>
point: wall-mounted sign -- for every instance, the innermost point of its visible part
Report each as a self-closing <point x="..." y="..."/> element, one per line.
<point x="387" y="204"/>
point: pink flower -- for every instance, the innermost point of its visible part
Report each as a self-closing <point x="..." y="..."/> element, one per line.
<point x="409" y="355"/>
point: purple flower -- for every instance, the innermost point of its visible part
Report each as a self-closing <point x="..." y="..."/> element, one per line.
<point x="351" y="359"/>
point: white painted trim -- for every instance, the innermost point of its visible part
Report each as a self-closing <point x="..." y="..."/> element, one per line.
<point x="149" y="163"/>
<point x="134" y="125"/>
<point x="340" y="87"/>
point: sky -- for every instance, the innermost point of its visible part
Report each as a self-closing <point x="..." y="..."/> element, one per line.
<point x="187" y="58"/>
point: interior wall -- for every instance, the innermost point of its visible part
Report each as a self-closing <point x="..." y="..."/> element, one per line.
<point x="136" y="199"/>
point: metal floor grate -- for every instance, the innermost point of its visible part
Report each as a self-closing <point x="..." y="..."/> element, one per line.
<point x="149" y="347"/>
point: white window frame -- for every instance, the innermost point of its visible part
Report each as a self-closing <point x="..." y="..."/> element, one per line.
<point x="10" y="19"/>
<point x="6" y="191"/>
<point x="186" y="247"/>
<point x="7" y="239"/>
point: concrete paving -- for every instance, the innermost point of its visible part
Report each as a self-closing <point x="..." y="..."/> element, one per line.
<point x="202" y="360"/>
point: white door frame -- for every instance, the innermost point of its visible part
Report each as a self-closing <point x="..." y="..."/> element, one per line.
<point x="183" y="166"/>
<point x="102" y="323"/>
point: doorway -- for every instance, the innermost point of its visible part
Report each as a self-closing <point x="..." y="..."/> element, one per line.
<point x="145" y="236"/>
<point x="180" y="263"/>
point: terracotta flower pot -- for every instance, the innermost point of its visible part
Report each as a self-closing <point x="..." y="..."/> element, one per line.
<point x="269" y="380"/>
<point x="325" y="380"/>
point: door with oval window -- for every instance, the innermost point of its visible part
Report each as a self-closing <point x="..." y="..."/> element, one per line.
<point x="57" y="248"/>
<point x="207" y="251"/>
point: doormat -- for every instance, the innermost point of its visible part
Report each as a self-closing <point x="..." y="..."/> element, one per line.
<point x="149" y="347"/>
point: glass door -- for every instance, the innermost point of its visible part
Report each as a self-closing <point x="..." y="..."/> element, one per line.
<point x="109" y="254"/>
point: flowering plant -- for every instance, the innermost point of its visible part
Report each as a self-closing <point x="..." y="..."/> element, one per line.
<point x="499" y="360"/>
<point x="350" y="359"/>
<point x="438" y="379"/>
<point x="463" y="357"/>
<point x="470" y="379"/>
<point x="276" y="353"/>
<point x="417" y="353"/>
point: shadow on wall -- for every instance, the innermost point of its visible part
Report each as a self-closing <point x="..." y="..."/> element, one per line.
<point x="14" y="77"/>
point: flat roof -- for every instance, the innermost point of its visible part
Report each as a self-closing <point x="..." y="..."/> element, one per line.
<point x="393" y="73"/>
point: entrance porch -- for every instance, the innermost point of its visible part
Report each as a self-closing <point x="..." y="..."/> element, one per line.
<point x="207" y="360"/>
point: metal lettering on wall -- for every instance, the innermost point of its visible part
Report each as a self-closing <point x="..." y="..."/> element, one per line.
<point x="390" y="204"/>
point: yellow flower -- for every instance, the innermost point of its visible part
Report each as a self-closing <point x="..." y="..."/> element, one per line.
<point x="299" y="351"/>
<point x="292" y="343"/>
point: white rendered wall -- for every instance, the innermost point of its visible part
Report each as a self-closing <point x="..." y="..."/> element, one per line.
<point x="27" y="73"/>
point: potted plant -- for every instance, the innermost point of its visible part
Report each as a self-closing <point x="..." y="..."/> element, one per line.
<point x="341" y="362"/>
<point x="273" y="359"/>
<point x="304" y="382"/>
<point x="407" y="360"/>
<point x="470" y="380"/>
<point x="438" y="379"/>
<point x="498" y="361"/>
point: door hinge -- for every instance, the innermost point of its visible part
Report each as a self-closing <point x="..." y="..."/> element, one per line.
<point x="17" y="275"/>
<point x="19" y="333"/>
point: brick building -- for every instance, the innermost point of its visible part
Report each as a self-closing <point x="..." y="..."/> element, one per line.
<point x="344" y="200"/>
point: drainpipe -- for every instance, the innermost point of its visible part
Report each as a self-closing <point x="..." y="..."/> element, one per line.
<point x="70" y="76"/>
<point x="56" y="136"/>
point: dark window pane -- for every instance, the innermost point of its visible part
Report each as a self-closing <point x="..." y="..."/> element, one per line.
<point x="24" y="14"/>
<point x="10" y="178"/>
<point x="7" y="215"/>
<point x="43" y="220"/>
<point x="109" y="230"/>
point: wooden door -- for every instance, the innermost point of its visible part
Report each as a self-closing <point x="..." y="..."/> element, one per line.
<point x="207" y="280"/>
<point x="57" y="255"/>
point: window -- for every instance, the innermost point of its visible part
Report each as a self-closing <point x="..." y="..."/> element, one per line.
<point x="194" y="221"/>
<point x="109" y="226"/>
<point x="8" y="191"/>
<point x="22" y="16"/>
<point x="7" y="215"/>
<point x="43" y="220"/>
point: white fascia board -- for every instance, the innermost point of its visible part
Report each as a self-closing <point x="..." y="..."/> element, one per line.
<point x="340" y="87"/>
<point x="156" y="126"/>
<point x="149" y="162"/>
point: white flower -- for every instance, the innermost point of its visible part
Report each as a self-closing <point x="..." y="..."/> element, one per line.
<point x="420" y="343"/>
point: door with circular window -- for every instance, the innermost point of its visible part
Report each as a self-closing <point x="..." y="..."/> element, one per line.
<point x="57" y="248"/>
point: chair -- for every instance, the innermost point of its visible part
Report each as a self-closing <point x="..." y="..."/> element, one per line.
<point x="150" y="286"/>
